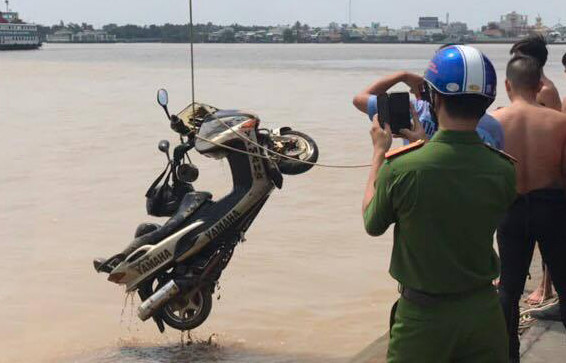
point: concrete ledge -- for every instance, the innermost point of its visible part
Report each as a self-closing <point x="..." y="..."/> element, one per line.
<point x="376" y="352"/>
<point x="545" y="342"/>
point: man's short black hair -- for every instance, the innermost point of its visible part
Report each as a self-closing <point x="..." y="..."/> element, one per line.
<point x="564" y="60"/>
<point x="534" y="46"/>
<point x="466" y="106"/>
<point x="524" y="73"/>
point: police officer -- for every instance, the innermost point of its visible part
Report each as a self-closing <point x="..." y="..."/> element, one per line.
<point x="446" y="197"/>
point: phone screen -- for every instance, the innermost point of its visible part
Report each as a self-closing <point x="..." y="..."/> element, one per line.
<point x="400" y="111"/>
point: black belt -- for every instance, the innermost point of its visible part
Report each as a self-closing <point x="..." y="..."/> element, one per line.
<point x="426" y="300"/>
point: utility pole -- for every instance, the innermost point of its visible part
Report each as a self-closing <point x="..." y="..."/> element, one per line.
<point x="7" y="6"/>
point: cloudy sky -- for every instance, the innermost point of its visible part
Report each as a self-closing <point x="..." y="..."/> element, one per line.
<point x="393" y="13"/>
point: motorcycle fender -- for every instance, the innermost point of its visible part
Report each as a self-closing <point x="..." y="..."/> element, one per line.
<point x="278" y="131"/>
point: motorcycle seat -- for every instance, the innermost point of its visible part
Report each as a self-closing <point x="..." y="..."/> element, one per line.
<point x="191" y="202"/>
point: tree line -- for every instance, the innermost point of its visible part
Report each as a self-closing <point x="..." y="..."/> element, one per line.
<point x="173" y="33"/>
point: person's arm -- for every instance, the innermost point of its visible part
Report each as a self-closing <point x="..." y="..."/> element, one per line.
<point x="376" y="206"/>
<point x="491" y="132"/>
<point x="549" y="98"/>
<point x="384" y="84"/>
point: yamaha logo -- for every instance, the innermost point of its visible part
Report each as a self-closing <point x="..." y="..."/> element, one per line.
<point x="153" y="262"/>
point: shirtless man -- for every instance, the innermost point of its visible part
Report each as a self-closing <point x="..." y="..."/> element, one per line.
<point x="536" y="47"/>
<point x="536" y="136"/>
<point x="548" y="96"/>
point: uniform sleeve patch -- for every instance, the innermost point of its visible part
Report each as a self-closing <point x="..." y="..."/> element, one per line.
<point x="404" y="149"/>
<point x="501" y="153"/>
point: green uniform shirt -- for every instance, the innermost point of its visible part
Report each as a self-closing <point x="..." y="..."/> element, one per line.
<point x="446" y="200"/>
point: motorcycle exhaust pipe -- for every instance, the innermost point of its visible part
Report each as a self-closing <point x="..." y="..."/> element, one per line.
<point x="150" y="306"/>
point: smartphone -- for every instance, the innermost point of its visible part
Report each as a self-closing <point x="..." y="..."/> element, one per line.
<point x="383" y="109"/>
<point x="399" y="111"/>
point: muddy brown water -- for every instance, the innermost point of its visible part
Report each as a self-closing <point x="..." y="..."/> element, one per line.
<point x="79" y="137"/>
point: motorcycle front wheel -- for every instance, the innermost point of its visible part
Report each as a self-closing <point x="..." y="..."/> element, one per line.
<point x="186" y="312"/>
<point x="302" y="150"/>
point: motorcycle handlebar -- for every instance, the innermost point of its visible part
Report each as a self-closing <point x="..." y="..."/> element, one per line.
<point x="178" y="126"/>
<point x="180" y="151"/>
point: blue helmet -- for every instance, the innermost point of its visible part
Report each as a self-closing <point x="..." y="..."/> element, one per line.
<point x="461" y="69"/>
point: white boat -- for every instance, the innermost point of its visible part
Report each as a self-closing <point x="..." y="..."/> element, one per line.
<point x="15" y="34"/>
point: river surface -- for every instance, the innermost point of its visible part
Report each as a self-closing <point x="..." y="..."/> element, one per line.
<point x="78" y="149"/>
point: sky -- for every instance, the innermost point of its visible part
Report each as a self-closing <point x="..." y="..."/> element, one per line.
<point x="393" y="13"/>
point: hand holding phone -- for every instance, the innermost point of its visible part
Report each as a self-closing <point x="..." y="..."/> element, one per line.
<point x="394" y="110"/>
<point x="417" y="131"/>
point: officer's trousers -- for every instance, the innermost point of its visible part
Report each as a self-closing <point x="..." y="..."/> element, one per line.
<point x="464" y="329"/>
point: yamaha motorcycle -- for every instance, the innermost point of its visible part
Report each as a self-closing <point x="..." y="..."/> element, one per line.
<point x="175" y="267"/>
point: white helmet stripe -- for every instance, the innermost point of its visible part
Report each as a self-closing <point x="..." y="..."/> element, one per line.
<point x="475" y="72"/>
<point x="465" y="76"/>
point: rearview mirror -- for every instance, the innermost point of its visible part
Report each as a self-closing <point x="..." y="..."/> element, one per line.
<point x="162" y="97"/>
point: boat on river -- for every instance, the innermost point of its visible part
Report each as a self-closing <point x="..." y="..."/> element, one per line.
<point x="16" y="34"/>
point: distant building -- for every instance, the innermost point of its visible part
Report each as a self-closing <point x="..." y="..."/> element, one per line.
<point x="275" y="35"/>
<point x="492" y="30"/>
<point x="259" y="36"/>
<point x="61" y="36"/>
<point x="429" y="22"/>
<point x="541" y="29"/>
<point x="356" y="35"/>
<point x="457" y="28"/>
<point x="514" y="24"/>
<point x="93" y="36"/>
<point x="223" y="35"/>
<point x="331" y="34"/>
<point x="87" y="36"/>
<point x="416" y="36"/>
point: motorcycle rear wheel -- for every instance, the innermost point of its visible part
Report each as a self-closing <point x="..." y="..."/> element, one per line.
<point x="186" y="313"/>
<point x="303" y="148"/>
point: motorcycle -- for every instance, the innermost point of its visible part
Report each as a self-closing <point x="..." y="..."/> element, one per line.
<point x="175" y="267"/>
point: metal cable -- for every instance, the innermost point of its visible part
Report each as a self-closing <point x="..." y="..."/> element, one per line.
<point x="233" y="148"/>
<point x="247" y="139"/>
<point x="192" y="54"/>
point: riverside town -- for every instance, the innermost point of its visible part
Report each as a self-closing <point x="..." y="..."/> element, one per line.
<point x="428" y="29"/>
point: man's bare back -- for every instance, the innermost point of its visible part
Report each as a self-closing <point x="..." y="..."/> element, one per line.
<point x="536" y="136"/>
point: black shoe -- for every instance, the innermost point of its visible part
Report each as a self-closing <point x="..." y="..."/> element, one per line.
<point x="107" y="265"/>
<point x="549" y="313"/>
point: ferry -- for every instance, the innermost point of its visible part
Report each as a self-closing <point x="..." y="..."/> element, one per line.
<point x="15" y="34"/>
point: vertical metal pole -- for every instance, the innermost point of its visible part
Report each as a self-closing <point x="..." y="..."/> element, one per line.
<point x="192" y="55"/>
<point x="350" y="14"/>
